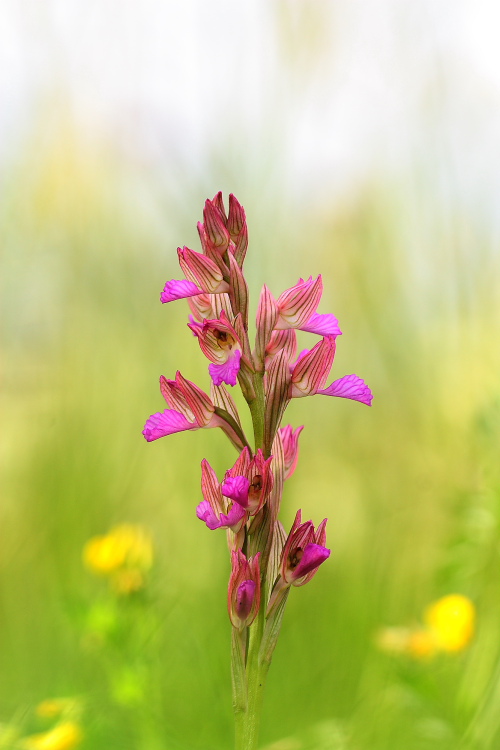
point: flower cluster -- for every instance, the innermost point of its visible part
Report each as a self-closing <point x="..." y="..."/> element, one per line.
<point x="265" y="561"/>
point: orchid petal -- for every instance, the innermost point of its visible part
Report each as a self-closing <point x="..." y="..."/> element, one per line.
<point x="227" y="372"/>
<point x="236" y="514"/>
<point x="324" y="324"/>
<point x="166" y="423"/>
<point x="313" y="556"/>
<point x="206" y="514"/>
<point x="350" y="386"/>
<point x="179" y="289"/>
<point x="236" y="488"/>
<point x="244" y="598"/>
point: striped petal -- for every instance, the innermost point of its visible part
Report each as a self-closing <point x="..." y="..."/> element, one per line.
<point x="166" y="423"/>
<point x="350" y="386"/>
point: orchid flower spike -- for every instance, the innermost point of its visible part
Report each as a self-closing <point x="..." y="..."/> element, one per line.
<point x="243" y="596"/>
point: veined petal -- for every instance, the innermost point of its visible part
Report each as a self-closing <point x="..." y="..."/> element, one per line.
<point x="202" y="271"/>
<point x="166" y="423"/>
<point x="313" y="556"/>
<point x="350" y="386"/>
<point x="205" y="513"/>
<point x="179" y="289"/>
<point x="311" y="369"/>
<point x="324" y="324"/>
<point x="290" y="438"/>
<point x="227" y="372"/>
<point x="175" y="398"/>
<point x="215" y="227"/>
<point x="297" y="304"/>
<point x="198" y="401"/>
<point x="236" y="488"/>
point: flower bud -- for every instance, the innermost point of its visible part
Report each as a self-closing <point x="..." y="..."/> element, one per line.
<point x="243" y="597"/>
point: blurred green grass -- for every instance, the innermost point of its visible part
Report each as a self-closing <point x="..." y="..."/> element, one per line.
<point x="410" y="487"/>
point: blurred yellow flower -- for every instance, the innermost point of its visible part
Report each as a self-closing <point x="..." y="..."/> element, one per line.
<point x="55" y="707"/>
<point x="64" y="736"/>
<point x="449" y="627"/>
<point x="123" y="553"/>
<point x="451" y="621"/>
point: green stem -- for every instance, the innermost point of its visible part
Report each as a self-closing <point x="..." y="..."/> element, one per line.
<point x="247" y="722"/>
<point x="257" y="409"/>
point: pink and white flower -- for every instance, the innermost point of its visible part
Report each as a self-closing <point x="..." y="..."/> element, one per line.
<point x="219" y="342"/>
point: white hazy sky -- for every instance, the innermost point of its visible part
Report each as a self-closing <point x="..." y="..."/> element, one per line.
<point x="354" y="85"/>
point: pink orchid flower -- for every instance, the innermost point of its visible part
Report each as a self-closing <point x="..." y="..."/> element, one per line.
<point x="217" y="510"/>
<point x="297" y="309"/>
<point x="189" y="409"/>
<point x="219" y="343"/>
<point x="311" y="370"/>
<point x="250" y="481"/>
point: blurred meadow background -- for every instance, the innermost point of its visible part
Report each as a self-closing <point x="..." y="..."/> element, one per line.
<point x="362" y="139"/>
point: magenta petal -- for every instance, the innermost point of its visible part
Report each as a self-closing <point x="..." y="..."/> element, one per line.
<point x="235" y="515"/>
<point x="194" y="325"/>
<point x="323" y="324"/>
<point x="227" y="372"/>
<point x="205" y="513"/>
<point x="314" y="555"/>
<point x="244" y="598"/>
<point x="166" y="423"/>
<point x="237" y="489"/>
<point x="179" y="289"/>
<point x="350" y="386"/>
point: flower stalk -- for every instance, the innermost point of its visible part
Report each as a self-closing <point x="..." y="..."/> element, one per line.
<point x="265" y="561"/>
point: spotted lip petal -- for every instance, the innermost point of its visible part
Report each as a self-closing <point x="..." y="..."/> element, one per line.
<point x="350" y="386"/>
<point x="166" y="423"/>
<point x="179" y="289"/>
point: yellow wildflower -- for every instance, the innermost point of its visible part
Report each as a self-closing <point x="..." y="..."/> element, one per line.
<point x="451" y="621"/>
<point x="123" y="546"/>
<point x="104" y="554"/>
<point x="449" y="627"/>
<point x="64" y="736"/>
